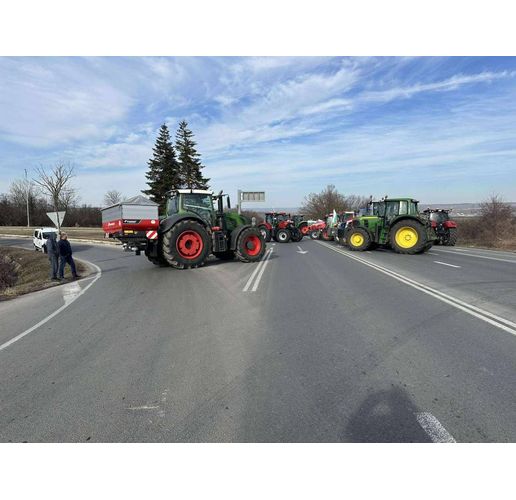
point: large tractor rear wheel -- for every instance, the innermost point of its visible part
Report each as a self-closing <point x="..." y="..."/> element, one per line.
<point x="250" y="245"/>
<point x="358" y="239"/>
<point x="452" y="237"/>
<point x="186" y="245"/>
<point x="283" y="235"/>
<point x="408" y="236"/>
<point x="296" y="235"/>
<point x="265" y="233"/>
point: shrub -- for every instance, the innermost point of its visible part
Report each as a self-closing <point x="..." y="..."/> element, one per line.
<point x="8" y="274"/>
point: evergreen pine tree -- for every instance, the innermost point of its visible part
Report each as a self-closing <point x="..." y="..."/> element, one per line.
<point x="164" y="171"/>
<point x="189" y="159"/>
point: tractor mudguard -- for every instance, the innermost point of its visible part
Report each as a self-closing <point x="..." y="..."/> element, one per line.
<point x="449" y="223"/>
<point x="235" y="234"/>
<point x="166" y="224"/>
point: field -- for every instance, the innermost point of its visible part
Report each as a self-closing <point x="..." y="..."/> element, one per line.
<point x="31" y="271"/>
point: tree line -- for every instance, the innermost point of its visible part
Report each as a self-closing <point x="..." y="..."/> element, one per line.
<point x="174" y="166"/>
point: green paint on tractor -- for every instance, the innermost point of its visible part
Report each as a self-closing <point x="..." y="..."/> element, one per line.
<point x="393" y="222"/>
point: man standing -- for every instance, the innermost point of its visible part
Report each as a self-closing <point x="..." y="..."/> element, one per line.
<point x="65" y="256"/>
<point x="53" y="255"/>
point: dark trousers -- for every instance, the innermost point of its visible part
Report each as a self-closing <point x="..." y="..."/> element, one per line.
<point x="54" y="265"/>
<point x="66" y="259"/>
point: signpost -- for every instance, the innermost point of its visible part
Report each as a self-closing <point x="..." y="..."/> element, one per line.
<point x="252" y="196"/>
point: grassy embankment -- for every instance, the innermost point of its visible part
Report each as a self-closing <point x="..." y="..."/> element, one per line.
<point x="86" y="233"/>
<point x="23" y="271"/>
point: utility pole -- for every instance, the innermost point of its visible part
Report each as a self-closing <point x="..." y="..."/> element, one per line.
<point x="27" y="193"/>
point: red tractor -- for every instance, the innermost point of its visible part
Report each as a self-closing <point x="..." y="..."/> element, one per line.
<point x="445" y="228"/>
<point x="280" y="227"/>
<point x="315" y="229"/>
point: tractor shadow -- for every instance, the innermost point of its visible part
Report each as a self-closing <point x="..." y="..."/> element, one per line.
<point x="213" y="261"/>
<point x="387" y="416"/>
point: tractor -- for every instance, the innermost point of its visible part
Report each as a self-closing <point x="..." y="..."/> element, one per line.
<point x="301" y="223"/>
<point x="280" y="227"/>
<point x="193" y="229"/>
<point x="445" y="229"/>
<point x="339" y="230"/>
<point x="394" y="222"/>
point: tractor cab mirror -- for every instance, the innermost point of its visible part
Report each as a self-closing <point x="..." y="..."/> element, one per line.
<point x="229" y="203"/>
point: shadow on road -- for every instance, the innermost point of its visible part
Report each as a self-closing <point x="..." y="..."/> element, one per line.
<point x="386" y="417"/>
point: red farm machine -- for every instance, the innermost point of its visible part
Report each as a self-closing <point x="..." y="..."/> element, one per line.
<point x="191" y="230"/>
<point x="445" y="228"/>
<point x="280" y="227"/>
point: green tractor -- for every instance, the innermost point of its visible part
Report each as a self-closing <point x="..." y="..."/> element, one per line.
<point x="394" y="222"/>
<point x="193" y="229"/>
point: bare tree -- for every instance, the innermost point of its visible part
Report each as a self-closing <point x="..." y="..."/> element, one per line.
<point x="112" y="197"/>
<point x="317" y="205"/>
<point x="55" y="183"/>
<point x="497" y="221"/>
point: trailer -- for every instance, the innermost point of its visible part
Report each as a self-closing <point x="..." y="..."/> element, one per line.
<point x="133" y="222"/>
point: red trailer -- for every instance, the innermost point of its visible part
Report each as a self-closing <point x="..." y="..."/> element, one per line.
<point x="131" y="221"/>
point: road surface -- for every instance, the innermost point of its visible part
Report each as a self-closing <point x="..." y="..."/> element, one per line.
<point x="311" y="345"/>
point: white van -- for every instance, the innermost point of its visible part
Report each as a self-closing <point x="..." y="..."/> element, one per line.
<point x="40" y="237"/>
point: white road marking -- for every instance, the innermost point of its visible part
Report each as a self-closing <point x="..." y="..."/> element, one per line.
<point x="255" y="272"/>
<point x="432" y="253"/>
<point x="434" y="428"/>
<point x="144" y="407"/>
<point x="57" y="311"/>
<point x="301" y="251"/>
<point x="445" y="264"/>
<point x="260" y="274"/>
<point x="468" y="254"/>
<point x="488" y="317"/>
<point x="70" y="291"/>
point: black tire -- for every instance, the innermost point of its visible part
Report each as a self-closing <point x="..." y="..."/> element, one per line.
<point x="325" y="235"/>
<point x="187" y="244"/>
<point x="227" y="255"/>
<point x="265" y="233"/>
<point x="296" y="235"/>
<point x="303" y="227"/>
<point x="355" y="243"/>
<point x="283" y="236"/>
<point x="419" y="244"/>
<point x="314" y="235"/>
<point x="452" y="238"/>
<point x="250" y="245"/>
<point x="35" y="248"/>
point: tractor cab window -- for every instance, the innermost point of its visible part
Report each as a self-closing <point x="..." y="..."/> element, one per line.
<point x="404" y="208"/>
<point x="391" y="209"/>
<point x="412" y="208"/>
<point x="379" y="209"/>
<point x="172" y="207"/>
<point x="201" y="204"/>
<point x="438" y="217"/>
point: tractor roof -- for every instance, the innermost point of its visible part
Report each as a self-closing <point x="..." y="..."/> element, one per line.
<point x="395" y="199"/>
<point x="192" y="191"/>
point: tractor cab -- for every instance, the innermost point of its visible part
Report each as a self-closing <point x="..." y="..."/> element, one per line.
<point x="195" y="201"/>
<point x="274" y="218"/>
<point x="445" y="228"/>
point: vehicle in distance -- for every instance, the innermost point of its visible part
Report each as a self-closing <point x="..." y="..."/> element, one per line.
<point x="40" y="237"/>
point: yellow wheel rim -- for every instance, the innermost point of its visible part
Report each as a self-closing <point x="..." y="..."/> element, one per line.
<point x="406" y="237"/>
<point x="356" y="239"/>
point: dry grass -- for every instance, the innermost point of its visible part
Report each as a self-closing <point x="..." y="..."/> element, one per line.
<point x="473" y="233"/>
<point x="32" y="270"/>
<point x="88" y="233"/>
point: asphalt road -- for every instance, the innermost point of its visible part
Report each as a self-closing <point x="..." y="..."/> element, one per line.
<point x="312" y="345"/>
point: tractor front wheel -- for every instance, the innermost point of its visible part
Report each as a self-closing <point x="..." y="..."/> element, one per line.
<point x="408" y="236"/>
<point x="265" y="233"/>
<point x="358" y="239"/>
<point x="314" y="235"/>
<point x="283" y="236"/>
<point x="186" y="245"/>
<point x="250" y="245"/>
<point x="325" y="235"/>
<point x="303" y="227"/>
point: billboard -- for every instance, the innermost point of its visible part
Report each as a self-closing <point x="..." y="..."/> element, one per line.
<point x="252" y="196"/>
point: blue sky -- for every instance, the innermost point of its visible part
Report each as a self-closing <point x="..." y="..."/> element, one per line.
<point x="440" y="129"/>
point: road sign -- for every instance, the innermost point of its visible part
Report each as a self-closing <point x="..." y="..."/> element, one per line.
<point x="253" y="196"/>
<point x="53" y="217"/>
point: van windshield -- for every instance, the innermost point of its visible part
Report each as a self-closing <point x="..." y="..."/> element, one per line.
<point x="46" y="235"/>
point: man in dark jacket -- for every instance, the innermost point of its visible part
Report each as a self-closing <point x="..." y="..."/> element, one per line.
<point x="65" y="256"/>
<point x="53" y="255"/>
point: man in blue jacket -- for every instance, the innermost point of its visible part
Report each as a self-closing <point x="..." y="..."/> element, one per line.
<point x="65" y="256"/>
<point x="53" y="255"/>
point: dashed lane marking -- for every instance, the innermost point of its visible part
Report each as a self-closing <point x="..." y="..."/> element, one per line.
<point x="434" y="428"/>
<point x="446" y="264"/>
